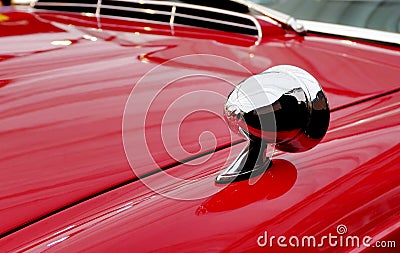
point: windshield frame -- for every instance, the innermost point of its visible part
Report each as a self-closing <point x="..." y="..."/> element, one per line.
<point x="304" y="26"/>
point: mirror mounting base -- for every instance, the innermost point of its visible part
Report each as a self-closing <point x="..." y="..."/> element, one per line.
<point x="251" y="162"/>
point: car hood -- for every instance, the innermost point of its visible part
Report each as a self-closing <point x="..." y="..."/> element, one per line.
<point x="337" y="189"/>
<point x="65" y="84"/>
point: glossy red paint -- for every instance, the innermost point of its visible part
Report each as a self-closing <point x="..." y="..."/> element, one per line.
<point x="56" y="125"/>
<point x="62" y="105"/>
<point x="338" y="182"/>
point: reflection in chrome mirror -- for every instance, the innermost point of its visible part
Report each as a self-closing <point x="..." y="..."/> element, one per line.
<point x="283" y="106"/>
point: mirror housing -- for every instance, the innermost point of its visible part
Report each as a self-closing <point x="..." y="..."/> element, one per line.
<point x="284" y="106"/>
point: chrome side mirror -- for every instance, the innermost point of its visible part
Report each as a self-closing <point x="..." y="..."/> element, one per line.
<point x="285" y="106"/>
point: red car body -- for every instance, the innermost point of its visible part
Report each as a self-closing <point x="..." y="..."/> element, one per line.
<point x="66" y="183"/>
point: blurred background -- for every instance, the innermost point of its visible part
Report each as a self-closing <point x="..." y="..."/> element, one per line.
<point x="9" y="2"/>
